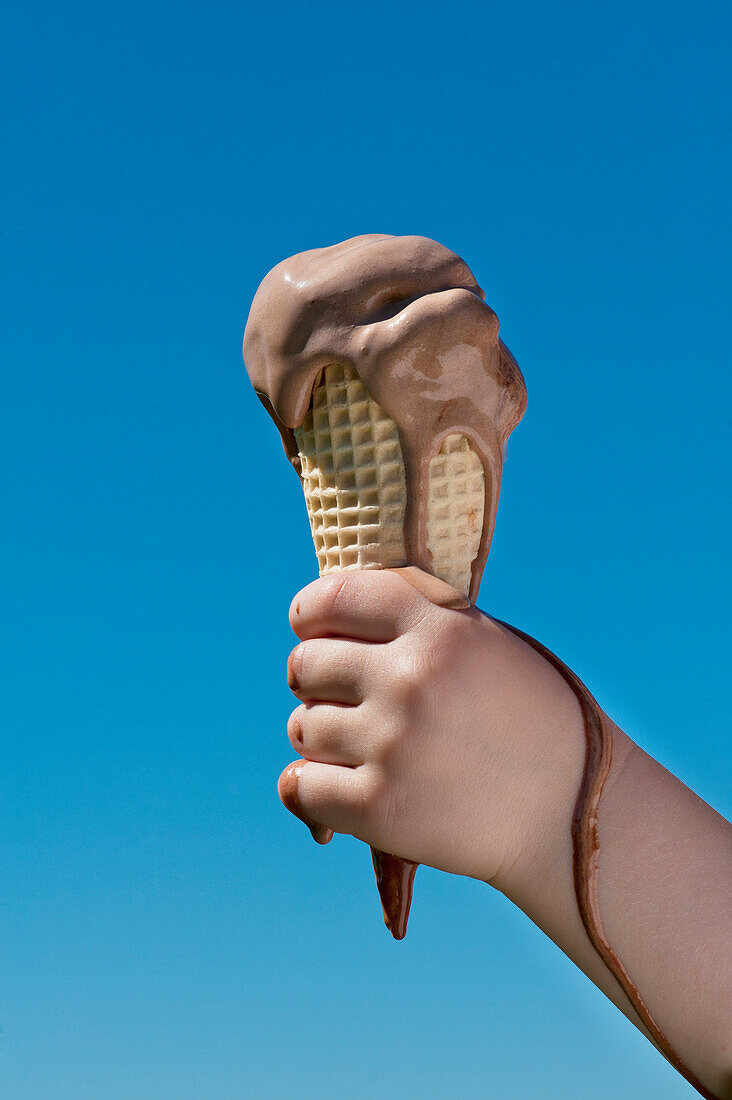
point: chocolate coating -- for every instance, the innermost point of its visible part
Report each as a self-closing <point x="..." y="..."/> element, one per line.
<point x="408" y="316"/>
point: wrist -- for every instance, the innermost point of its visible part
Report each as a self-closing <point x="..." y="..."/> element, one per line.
<point x="550" y="728"/>
<point x="543" y="867"/>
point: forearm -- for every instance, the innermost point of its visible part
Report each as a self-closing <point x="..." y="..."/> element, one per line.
<point x="665" y="866"/>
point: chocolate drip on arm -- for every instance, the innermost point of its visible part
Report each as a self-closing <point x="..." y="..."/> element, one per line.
<point x="586" y="850"/>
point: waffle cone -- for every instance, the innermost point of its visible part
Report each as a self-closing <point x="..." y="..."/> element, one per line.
<point x="455" y="510"/>
<point x="355" y="486"/>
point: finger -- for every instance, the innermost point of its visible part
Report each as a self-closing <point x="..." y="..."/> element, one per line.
<point x="329" y="670"/>
<point x="328" y="734"/>
<point x="328" y="795"/>
<point x="287" y="789"/>
<point x="374" y="605"/>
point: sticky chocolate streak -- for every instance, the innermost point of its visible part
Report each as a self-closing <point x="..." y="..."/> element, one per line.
<point x="586" y="850"/>
<point x="394" y="878"/>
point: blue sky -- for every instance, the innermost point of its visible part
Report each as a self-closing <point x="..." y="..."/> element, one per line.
<point x="169" y="930"/>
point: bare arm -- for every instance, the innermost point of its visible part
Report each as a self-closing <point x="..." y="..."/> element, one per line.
<point x="665" y="895"/>
<point x="442" y="736"/>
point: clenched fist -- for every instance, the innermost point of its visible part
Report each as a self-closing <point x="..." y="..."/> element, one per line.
<point x="433" y="733"/>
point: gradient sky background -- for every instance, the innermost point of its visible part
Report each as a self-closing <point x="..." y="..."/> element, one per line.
<point x="169" y="930"/>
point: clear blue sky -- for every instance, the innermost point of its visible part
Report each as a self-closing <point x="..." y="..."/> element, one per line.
<point x="170" y="932"/>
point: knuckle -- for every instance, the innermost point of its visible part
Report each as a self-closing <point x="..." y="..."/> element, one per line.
<point x="434" y="651"/>
<point x="406" y="675"/>
<point x="393" y="732"/>
<point x="376" y="802"/>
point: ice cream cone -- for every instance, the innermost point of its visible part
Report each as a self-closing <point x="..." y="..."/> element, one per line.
<point x="354" y="482"/>
<point x="352" y="476"/>
<point x="380" y="363"/>
<point x="355" y="486"/>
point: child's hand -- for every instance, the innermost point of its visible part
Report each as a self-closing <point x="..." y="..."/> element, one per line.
<point x="431" y="733"/>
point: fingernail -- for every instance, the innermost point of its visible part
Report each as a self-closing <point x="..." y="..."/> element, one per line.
<point x="292" y="681"/>
<point x="295" y="731"/>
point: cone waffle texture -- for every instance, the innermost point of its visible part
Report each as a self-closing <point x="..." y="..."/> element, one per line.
<point x="455" y="510"/>
<point x="353" y="476"/>
<point x="355" y="486"/>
